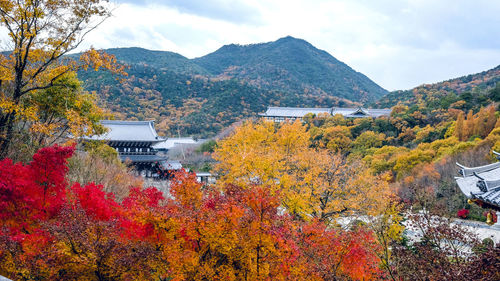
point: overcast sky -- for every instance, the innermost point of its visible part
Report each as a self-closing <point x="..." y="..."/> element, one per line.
<point x="399" y="44"/>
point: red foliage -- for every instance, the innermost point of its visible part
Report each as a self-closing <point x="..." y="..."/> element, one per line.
<point x="53" y="231"/>
<point x="150" y="197"/>
<point x="463" y="213"/>
<point x="331" y="253"/>
<point x="96" y="203"/>
<point x="34" y="192"/>
<point x="141" y="206"/>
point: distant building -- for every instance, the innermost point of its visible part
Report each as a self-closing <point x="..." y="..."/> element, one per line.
<point x="170" y="143"/>
<point x="280" y="114"/>
<point x="134" y="141"/>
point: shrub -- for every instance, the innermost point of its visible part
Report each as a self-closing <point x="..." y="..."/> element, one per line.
<point x="463" y="213"/>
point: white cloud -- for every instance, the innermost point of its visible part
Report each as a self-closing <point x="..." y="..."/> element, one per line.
<point x="398" y="44"/>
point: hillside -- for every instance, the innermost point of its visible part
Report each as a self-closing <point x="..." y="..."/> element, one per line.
<point x="150" y="93"/>
<point x="231" y="84"/>
<point x="162" y="60"/>
<point x="472" y="89"/>
<point x="291" y="65"/>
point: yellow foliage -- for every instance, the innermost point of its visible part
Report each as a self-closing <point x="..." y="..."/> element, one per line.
<point x="406" y="162"/>
<point x="338" y="138"/>
<point x="424" y="133"/>
<point x="367" y="140"/>
<point x="388" y="228"/>
<point x="384" y="158"/>
<point x="313" y="182"/>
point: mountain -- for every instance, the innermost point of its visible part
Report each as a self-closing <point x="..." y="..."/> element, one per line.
<point x="233" y="83"/>
<point x="473" y="89"/>
<point x="162" y="60"/>
<point x="291" y="65"/>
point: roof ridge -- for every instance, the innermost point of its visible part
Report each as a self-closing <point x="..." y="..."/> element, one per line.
<point x="290" y="107"/>
<point x="127" y="121"/>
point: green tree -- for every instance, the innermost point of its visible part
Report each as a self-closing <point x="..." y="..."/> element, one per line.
<point x="495" y="92"/>
<point x="367" y="140"/>
<point x="64" y="110"/>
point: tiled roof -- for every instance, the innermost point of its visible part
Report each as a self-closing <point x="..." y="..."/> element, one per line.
<point x="172" y="142"/>
<point x="129" y="131"/>
<point x="379" y="112"/>
<point x="482" y="183"/>
<point x="299" y="112"/>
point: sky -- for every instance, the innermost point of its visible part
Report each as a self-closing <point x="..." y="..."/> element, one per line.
<point x="399" y="44"/>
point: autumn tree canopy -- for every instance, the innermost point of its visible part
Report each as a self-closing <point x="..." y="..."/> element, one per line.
<point x="313" y="182"/>
<point x="40" y="34"/>
<point x="55" y="230"/>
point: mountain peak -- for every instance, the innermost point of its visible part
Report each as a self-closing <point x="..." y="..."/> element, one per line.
<point x="284" y="40"/>
<point x="292" y="42"/>
<point x="291" y="65"/>
<point x="290" y="38"/>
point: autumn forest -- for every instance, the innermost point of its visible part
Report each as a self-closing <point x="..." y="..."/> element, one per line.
<point x="319" y="198"/>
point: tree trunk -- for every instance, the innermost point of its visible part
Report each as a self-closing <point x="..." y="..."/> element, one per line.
<point x="7" y="123"/>
<point x="6" y="133"/>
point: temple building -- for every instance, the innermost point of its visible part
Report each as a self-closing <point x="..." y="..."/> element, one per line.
<point x="171" y="143"/>
<point x="134" y="141"/>
<point x="280" y="114"/>
<point x="481" y="185"/>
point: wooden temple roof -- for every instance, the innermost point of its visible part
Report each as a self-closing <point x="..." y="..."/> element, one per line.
<point x="481" y="184"/>
<point x="299" y="112"/>
<point x="129" y="131"/>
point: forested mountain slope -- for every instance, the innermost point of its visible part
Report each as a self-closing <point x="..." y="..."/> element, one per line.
<point x="472" y="89"/>
<point x="162" y="60"/>
<point x="291" y="65"/>
<point x="201" y="96"/>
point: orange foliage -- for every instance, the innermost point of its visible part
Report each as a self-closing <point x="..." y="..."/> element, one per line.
<point x="479" y="124"/>
<point x="238" y="234"/>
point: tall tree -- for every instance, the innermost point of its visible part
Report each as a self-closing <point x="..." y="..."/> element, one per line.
<point x="459" y="127"/>
<point x="40" y="33"/>
<point x="313" y="182"/>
